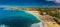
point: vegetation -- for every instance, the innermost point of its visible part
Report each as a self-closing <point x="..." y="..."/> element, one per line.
<point x="54" y="12"/>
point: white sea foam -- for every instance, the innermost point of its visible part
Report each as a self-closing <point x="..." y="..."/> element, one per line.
<point x="40" y="24"/>
<point x="3" y="25"/>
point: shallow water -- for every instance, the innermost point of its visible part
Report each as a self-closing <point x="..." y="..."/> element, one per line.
<point x="17" y="18"/>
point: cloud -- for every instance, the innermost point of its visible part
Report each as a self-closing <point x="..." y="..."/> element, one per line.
<point x="56" y="1"/>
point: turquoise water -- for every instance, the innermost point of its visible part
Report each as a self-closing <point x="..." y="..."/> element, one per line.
<point x="17" y="18"/>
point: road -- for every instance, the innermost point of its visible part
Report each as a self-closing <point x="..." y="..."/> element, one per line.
<point x="45" y="19"/>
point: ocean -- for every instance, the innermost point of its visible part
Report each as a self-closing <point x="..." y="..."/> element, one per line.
<point x="16" y="18"/>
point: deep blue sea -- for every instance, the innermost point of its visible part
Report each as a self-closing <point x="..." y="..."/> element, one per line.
<point x="26" y="3"/>
<point x="15" y="18"/>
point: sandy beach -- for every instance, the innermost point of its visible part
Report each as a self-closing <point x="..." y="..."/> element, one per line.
<point x="42" y="18"/>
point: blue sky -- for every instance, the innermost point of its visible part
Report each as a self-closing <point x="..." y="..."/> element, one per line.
<point x="27" y="3"/>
